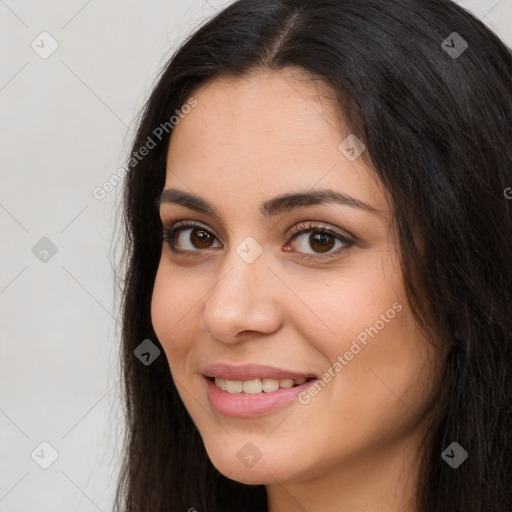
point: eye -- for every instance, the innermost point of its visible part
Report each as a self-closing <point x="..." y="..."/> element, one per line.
<point x="198" y="238"/>
<point x="321" y="239"/>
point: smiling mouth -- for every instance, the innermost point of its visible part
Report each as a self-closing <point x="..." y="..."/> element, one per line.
<point x="257" y="386"/>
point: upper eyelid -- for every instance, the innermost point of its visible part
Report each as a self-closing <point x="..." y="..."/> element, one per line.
<point x="187" y="224"/>
<point x="295" y="230"/>
<point x="302" y="227"/>
<point x="170" y="222"/>
<point x="292" y="230"/>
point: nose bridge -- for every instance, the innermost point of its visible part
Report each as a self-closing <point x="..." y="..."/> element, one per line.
<point x="239" y="300"/>
<point x="244" y="266"/>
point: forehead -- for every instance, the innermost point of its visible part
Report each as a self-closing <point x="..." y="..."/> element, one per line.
<point x="273" y="108"/>
<point x="267" y="132"/>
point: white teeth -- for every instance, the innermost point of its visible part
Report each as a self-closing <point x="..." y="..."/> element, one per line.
<point x="270" y="385"/>
<point x="252" y="386"/>
<point x="220" y="383"/>
<point x="234" y="386"/>
<point x="255" y="386"/>
<point x="286" y="383"/>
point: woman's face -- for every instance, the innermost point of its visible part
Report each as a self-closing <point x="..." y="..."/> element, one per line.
<point x="246" y="291"/>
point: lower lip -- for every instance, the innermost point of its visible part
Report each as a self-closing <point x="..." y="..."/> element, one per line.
<point x="239" y="405"/>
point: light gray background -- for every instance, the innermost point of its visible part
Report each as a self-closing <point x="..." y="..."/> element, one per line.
<point x="66" y="123"/>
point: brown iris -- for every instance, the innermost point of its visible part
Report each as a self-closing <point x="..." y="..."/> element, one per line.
<point x="202" y="238"/>
<point x="321" y="242"/>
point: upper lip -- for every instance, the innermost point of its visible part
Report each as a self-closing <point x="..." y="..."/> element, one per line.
<point x="252" y="371"/>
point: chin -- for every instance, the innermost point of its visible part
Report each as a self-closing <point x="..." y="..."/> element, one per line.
<point x="261" y="469"/>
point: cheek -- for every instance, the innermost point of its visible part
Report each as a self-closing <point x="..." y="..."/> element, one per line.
<point x="358" y="303"/>
<point x="384" y="376"/>
<point x="163" y="304"/>
<point x="172" y="312"/>
<point x="384" y="366"/>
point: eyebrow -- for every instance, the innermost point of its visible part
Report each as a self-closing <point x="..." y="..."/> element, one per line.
<point x="272" y="207"/>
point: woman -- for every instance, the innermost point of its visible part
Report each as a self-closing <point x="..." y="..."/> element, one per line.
<point x="316" y="308"/>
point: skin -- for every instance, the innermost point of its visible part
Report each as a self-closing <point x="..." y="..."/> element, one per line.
<point x="353" y="447"/>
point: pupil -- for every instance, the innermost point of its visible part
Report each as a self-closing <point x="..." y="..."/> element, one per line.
<point x="320" y="240"/>
<point x="201" y="237"/>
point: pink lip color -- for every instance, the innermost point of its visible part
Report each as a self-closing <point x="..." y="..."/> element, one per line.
<point x="237" y="405"/>
<point x="252" y="371"/>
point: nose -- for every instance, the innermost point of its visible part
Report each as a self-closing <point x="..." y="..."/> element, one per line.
<point x="243" y="300"/>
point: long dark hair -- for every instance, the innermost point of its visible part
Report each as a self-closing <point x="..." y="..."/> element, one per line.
<point x="437" y="128"/>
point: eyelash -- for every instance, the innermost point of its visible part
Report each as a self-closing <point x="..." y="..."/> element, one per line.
<point x="170" y="233"/>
